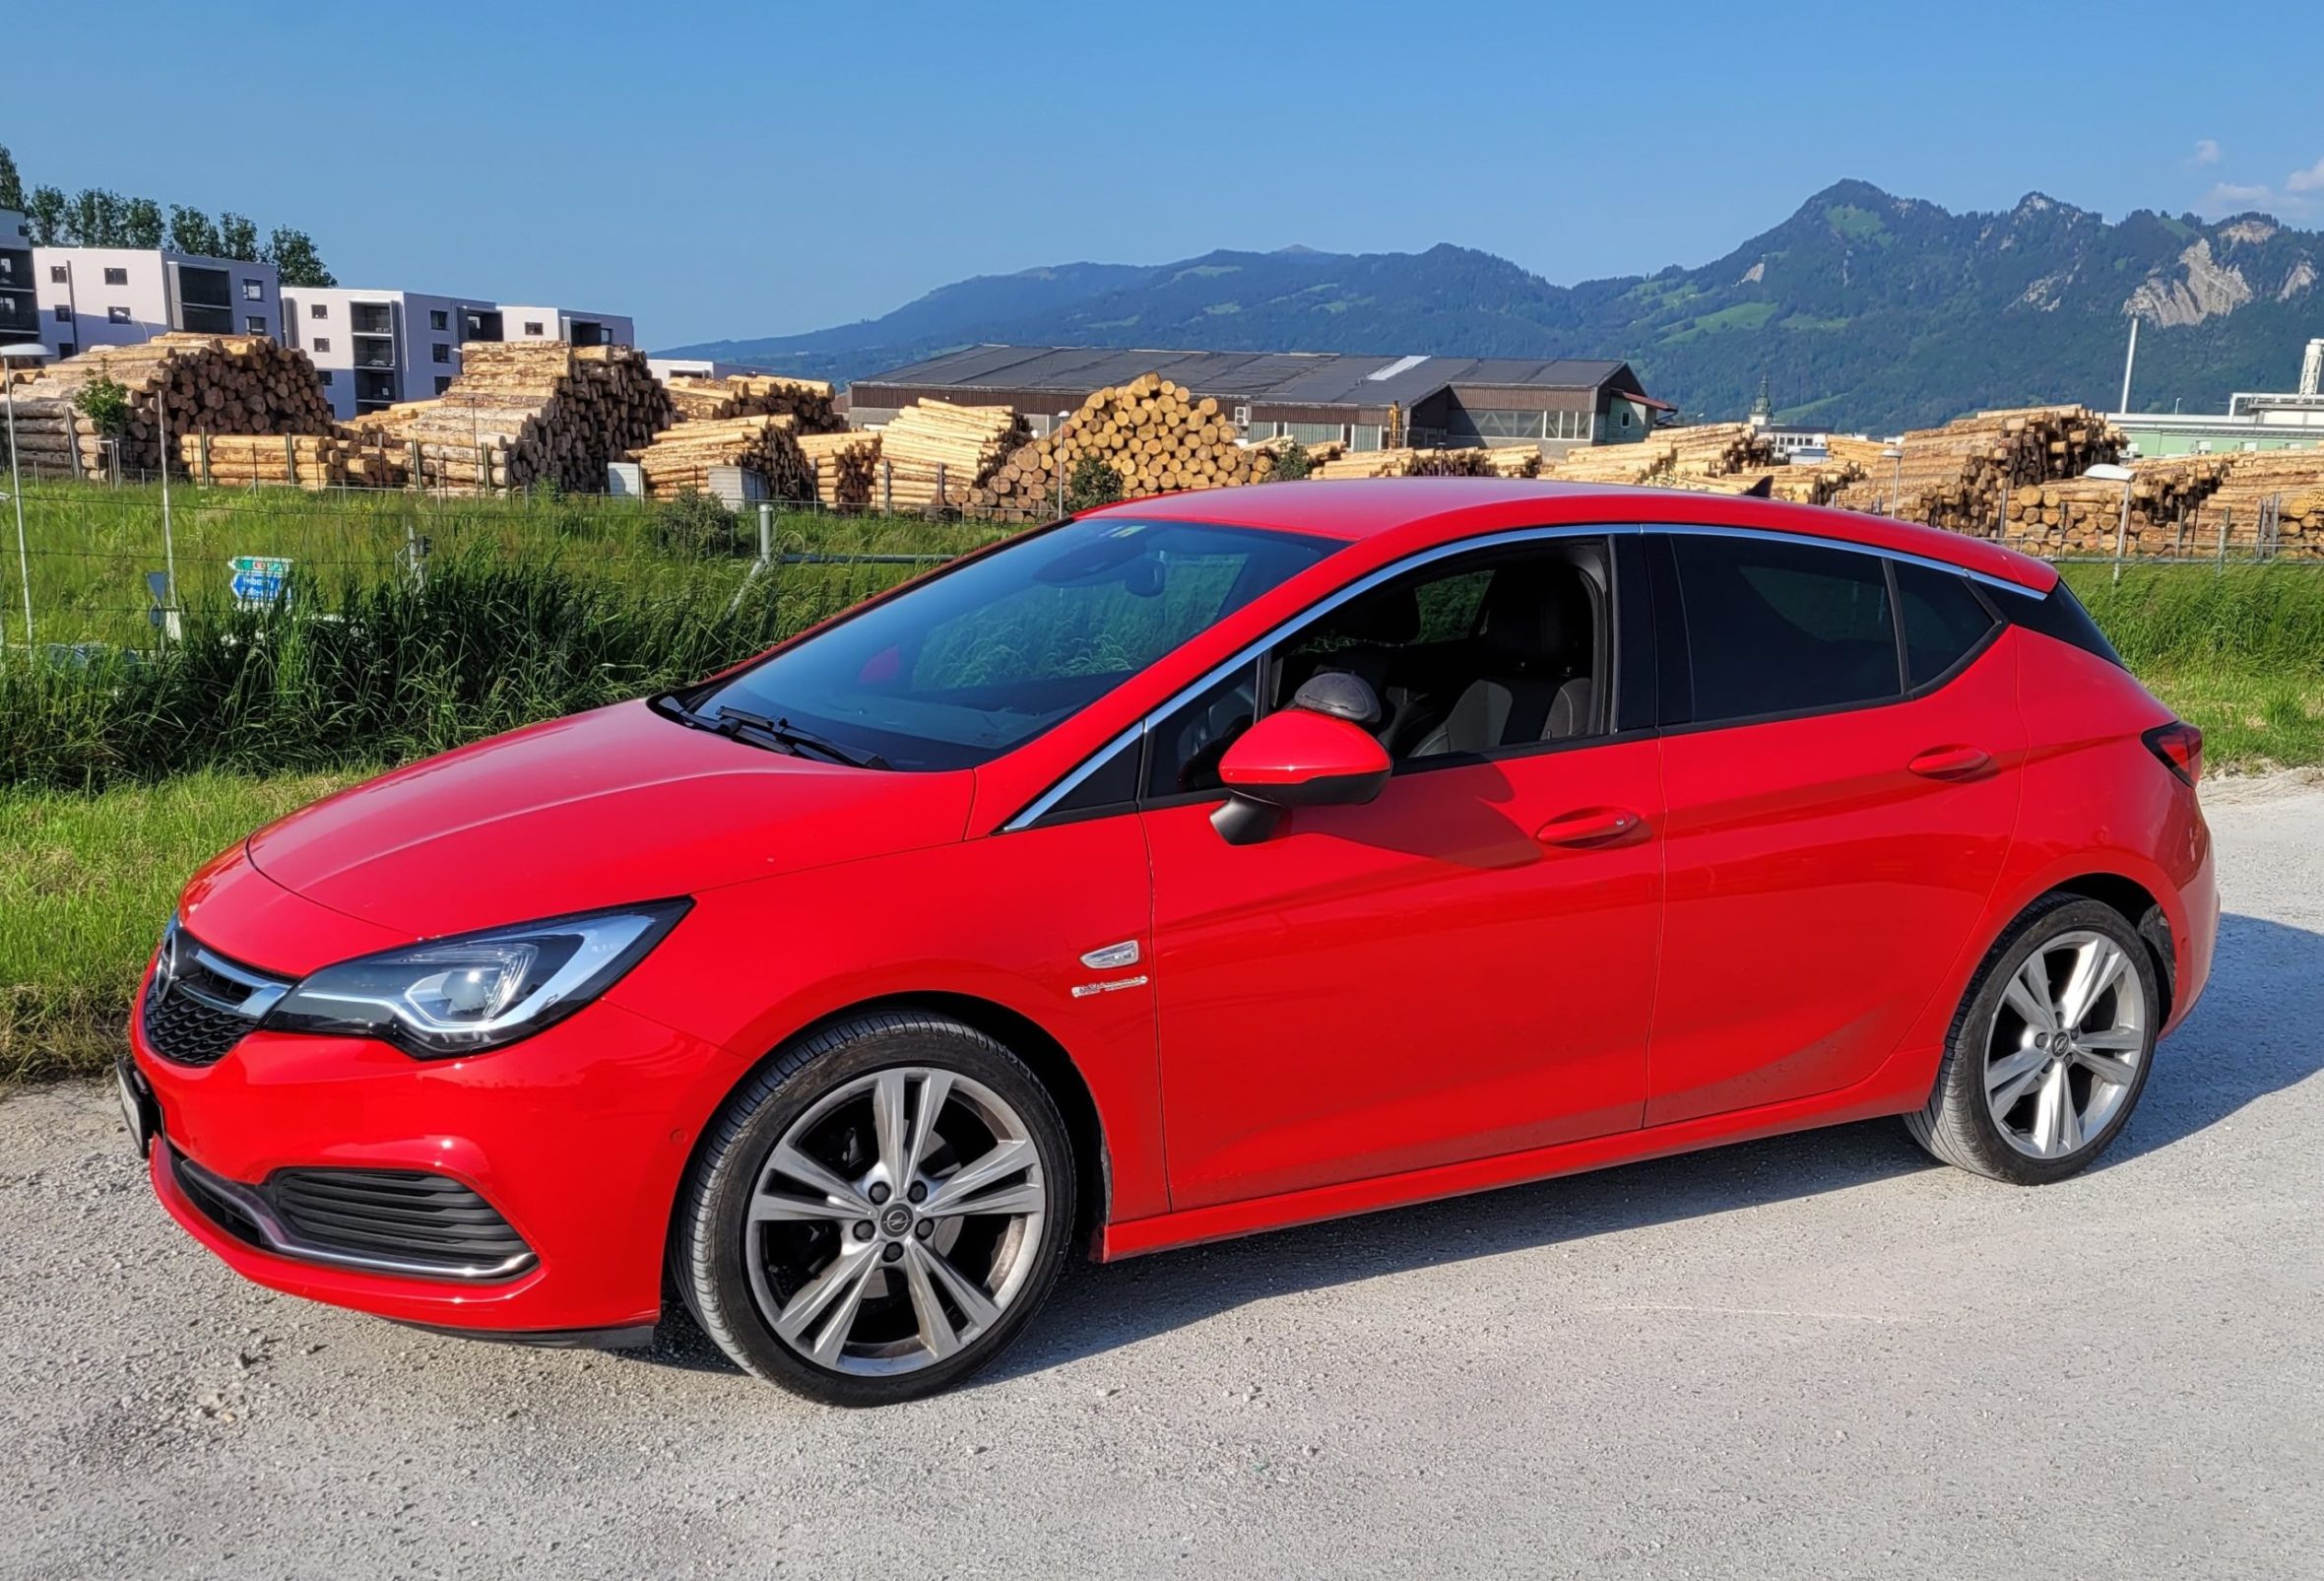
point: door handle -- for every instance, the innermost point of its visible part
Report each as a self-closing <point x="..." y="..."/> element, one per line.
<point x="1951" y="763"/>
<point x="1590" y="826"/>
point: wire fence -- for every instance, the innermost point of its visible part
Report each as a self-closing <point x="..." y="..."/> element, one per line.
<point x="123" y="563"/>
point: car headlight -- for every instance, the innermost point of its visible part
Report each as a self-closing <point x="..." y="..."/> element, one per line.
<point x="476" y="991"/>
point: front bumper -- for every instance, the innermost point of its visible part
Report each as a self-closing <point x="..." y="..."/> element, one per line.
<point x="577" y="1136"/>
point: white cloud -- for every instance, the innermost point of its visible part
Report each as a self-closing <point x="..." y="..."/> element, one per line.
<point x="2310" y="179"/>
<point x="2229" y="197"/>
<point x="2205" y="151"/>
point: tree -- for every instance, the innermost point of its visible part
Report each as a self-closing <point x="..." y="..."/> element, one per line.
<point x="141" y="223"/>
<point x="1293" y="461"/>
<point x="104" y="402"/>
<point x="12" y="186"/>
<point x="44" y="217"/>
<point x="293" y="255"/>
<point x="191" y="231"/>
<point x="237" y="238"/>
<point x="1091" y="483"/>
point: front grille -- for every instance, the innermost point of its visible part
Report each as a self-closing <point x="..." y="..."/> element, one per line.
<point x="386" y="1220"/>
<point x="189" y="1032"/>
<point x="394" y="1212"/>
<point x="199" y="1004"/>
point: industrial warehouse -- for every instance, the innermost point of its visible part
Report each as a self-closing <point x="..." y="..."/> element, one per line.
<point x="1364" y="403"/>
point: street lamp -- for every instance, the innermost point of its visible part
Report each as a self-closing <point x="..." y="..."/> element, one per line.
<point x="29" y="351"/>
<point x="2108" y="472"/>
<point x="1895" y="453"/>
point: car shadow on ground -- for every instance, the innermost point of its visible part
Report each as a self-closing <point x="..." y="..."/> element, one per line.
<point x="2260" y="1028"/>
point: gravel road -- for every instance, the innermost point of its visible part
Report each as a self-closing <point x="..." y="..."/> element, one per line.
<point x="1817" y="1356"/>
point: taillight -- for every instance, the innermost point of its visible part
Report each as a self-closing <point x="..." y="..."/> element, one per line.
<point x="2180" y="747"/>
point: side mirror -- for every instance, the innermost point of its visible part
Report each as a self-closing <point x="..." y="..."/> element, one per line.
<point x="1295" y="758"/>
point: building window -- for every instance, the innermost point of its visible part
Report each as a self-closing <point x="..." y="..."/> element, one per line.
<point x="439" y="318"/>
<point x="532" y="326"/>
<point x="440" y="353"/>
<point x="442" y="384"/>
<point x="254" y="291"/>
<point x="116" y="276"/>
<point x="324" y="374"/>
<point x="65" y="349"/>
<point x="254" y="326"/>
<point x="317" y="310"/>
<point x="57" y="274"/>
<point x="64" y="314"/>
<point x="116" y="315"/>
<point x="323" y="344"/>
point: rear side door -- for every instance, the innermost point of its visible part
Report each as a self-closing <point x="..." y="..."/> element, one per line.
<point x="1840" y="794"/>
<point x="1462" y="968"/>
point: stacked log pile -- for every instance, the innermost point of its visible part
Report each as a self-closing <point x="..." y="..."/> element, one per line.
<point x="310" y="461"/>
<point x="2279" y="491"/>
<point x="1514" y="461"/>
<point x="522" y="414"/>
<point x="747" y="395"/>
<point x="1317" y="452"/>
<point x="1408" y="463"/>
<point x="933" y="455"/>
<point x="1615" y="463"/>
<point x="219" y="384"/>
<point x="846" y="466"/>
<point x="1717" y="449"/>
<point x="1155" y="435"/>
<point x="1958" y="477"/>
<point x="682" y="457"/>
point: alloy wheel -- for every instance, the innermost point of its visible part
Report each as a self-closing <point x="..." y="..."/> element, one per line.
<point x="2063" y="1053"/>
<point x="895" y="1222"/>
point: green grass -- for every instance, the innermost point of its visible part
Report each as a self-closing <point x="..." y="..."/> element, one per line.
<point x="92" y="547"/>
<point x="86" y="883"/>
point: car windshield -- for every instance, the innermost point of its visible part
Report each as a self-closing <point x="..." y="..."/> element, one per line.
<point x="981" y="659"/>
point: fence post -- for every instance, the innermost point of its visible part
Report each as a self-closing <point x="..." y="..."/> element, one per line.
<point x="767" y="532"/>
<point x="887" y="486"/>
<point x="2226" y="518"/>
<point x="941" y="501"/>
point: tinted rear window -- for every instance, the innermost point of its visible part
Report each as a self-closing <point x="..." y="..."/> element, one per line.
<point x="1943" y="620"/>
<point x="1776" y="628"/>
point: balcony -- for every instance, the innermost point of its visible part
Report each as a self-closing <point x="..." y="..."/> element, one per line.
<point x="373" y="318"/>
<point x="374" y="351"/>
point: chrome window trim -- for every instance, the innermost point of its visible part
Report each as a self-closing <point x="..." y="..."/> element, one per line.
<point x="1035" y="810"/>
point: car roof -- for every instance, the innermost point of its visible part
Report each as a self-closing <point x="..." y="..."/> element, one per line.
<point x="1426" y="510"/>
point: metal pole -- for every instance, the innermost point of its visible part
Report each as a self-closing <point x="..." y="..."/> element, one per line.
<point x="16" y="492"/>
<point x="2122" y="528"/>
<point x="168" y="535"/>
<point x="767" y="532"/>
<point x="2226" y="517"/>
<point x="2129" y="361"/>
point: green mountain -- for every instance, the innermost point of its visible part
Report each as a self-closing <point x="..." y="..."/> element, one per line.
<point x="1862" y="309"/>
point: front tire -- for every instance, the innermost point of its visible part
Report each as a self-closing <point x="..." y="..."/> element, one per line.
<point x="2050" y="1050"/>
<point x="878" y="1214"/>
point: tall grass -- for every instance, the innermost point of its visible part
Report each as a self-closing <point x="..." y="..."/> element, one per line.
<point x="378" y="671"/>
<point x="2174" y="617"/>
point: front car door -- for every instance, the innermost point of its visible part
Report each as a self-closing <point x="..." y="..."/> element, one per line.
<point x="1841" y="792"/>
<point x="1465" y="966"/>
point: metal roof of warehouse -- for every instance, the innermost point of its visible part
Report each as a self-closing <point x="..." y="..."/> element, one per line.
<point x="1305" y="378"/>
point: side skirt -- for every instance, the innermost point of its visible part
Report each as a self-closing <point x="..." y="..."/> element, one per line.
<point x="1898" y="1086"/>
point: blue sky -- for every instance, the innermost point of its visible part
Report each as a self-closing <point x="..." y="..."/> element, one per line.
<point x="748" y="169"/>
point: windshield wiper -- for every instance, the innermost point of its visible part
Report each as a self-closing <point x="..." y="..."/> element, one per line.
<point x="794" y="737"/>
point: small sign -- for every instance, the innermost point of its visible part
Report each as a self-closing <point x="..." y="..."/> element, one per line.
<point x="258" y="578"/>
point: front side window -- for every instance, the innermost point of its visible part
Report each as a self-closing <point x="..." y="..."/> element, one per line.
<point x="1497" y="651"/>
<point x="1777" y="627"/>
<point x="981" y="659"/>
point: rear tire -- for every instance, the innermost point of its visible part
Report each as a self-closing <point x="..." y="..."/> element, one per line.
<point x="878" y="1213"/>
<point x="2050" y="1050"/>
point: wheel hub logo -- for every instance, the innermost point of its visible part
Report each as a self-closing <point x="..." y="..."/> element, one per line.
<point x="896" y="1220"/>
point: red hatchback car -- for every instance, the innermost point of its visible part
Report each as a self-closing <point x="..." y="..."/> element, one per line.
<point x="1194" y="867"/>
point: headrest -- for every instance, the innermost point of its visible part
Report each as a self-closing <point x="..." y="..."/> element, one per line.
<point x="1390" y="617"/>
<point x="1536" y="616"/>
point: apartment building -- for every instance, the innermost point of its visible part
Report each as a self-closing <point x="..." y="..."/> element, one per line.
<point x="374" y="348"/>
<point x="87" y="296"/>
<point x="19" y="304"/>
